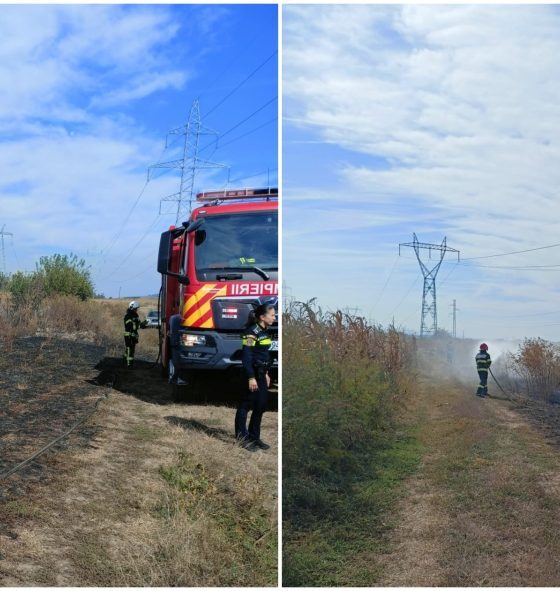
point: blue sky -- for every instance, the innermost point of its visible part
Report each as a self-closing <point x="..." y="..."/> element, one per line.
<point x="88" y="94"/>
<point x="439" y="120"/>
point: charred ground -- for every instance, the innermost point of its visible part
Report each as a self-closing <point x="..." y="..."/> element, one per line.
<point x="47" y="386"/>
<point x="146" y="491"/>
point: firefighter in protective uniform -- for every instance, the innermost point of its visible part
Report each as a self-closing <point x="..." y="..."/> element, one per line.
<point x="483" y="363"/>
<point x="132" y="324"/>
<point x="256" y="363"/>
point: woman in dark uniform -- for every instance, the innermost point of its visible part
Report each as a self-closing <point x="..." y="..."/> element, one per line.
<point x="256" y="362"/>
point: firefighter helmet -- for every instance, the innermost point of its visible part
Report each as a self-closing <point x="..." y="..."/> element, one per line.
<point x="133" y="305"/>
<point x="484" y="347"/>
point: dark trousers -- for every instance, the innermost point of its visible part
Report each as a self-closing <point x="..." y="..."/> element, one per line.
<point x="258" y="401"/>
<point x="130" y="345"/>
<point x="483" y="383"/>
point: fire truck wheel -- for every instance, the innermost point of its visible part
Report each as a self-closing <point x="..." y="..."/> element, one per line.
<point x="171" y="371"/>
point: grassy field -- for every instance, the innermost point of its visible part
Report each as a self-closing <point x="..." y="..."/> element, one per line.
<point x="482" y="509"/>
<point x="395" y="474"/>
<point x="347" y="445"/>
<point x="157" y="495"/>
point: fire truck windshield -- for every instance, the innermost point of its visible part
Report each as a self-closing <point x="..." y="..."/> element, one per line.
<point x="237" y="242"/>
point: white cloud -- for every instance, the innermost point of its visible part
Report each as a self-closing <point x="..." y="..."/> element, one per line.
<point x="72" y="157"/>
<point x="461" y="102"/>
<point x="140" y="87"/>
<point x="48" y="52"/>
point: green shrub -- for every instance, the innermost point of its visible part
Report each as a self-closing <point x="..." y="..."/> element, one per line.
<point x="67" y="275"/>
<point x="26" y="289"/>
<point x="4" y="281"/>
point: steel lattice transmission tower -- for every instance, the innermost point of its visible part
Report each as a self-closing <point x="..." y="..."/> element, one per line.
<point x="2" y="234"/>
<point x="454" y="314"/>
<point x="189" y="164"/>
<point x="428" y="325"/>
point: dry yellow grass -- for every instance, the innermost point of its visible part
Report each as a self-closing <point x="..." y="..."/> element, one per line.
<point x="111" y="517"/>
<point x="162" y="497"/>
<point x="483" y="508"/>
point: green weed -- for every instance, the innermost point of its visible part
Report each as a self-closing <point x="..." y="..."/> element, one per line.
<point x="345" y="451"/>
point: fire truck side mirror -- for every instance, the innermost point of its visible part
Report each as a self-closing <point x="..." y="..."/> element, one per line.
<point x="193" y="226"/>
<point x="164" y="255"/>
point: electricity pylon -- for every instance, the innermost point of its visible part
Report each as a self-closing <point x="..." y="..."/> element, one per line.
<point x="454" y="314"/>
<point x="189" y="164"/>
<point x="2" y="234"/>
<point x="428" y="325"/>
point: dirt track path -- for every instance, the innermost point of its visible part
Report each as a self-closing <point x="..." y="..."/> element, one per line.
<point x="483" y="508"/>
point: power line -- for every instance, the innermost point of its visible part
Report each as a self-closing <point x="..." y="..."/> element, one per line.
<point x="258" y="110"/>
<point x="151" y="267"/>
<point x="449" y="274"/>
<point x="137" y="200"/>
<point x="123" y="261"/>
<point x="235" y="139"/>
<point x="405" y="295"/>
<point x="384" y="286"/>
<point x="244" y="178"/>
<point x="489" y="256"/>
<point x="527" y="268"/>
<point x="2" y="234"/>
<point x="454" y="313"/>
<point x="428" y="325"/>
<point x="125" y="221"/>
<point x="168" y="145"/>
<point x="236" y="88"/>
<point x="226" y="68"/>
<point x="190" y="163"/>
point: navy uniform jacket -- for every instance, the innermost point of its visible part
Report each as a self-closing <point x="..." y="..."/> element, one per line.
<point x="483" y="361"/>
<point x="256" y="342"/>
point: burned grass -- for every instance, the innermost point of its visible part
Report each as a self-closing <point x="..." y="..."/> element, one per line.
<point x="44" y="393"/>
<point x="145" y="493"/>
<point x="151" y="503"/>
<point x="544" y="416"/>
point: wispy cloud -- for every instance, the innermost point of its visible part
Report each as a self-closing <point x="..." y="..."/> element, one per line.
<point x="461" y="105"/>
<point x="73" y="150"/>
<point x="54" y="58"/>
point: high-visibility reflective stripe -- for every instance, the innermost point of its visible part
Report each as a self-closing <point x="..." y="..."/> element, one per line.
<point x="198" y="313"/>
<point x="250" y="342"/>
<point x="197" y="310"/>
<point x="128" y="356"/>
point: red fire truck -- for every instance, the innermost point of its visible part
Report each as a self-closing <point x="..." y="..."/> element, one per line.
<point x="216" y="267"/>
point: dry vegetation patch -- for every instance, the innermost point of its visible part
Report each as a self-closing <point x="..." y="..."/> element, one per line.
<point x="488" y="485"/>
<point x="150" y="504"/>
<point x="146" y="492"/>
<point x="347" y="444"/>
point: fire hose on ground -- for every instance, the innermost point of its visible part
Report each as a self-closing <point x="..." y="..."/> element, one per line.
<point x="508" y="396"/>
<point x="19" y="466"/>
